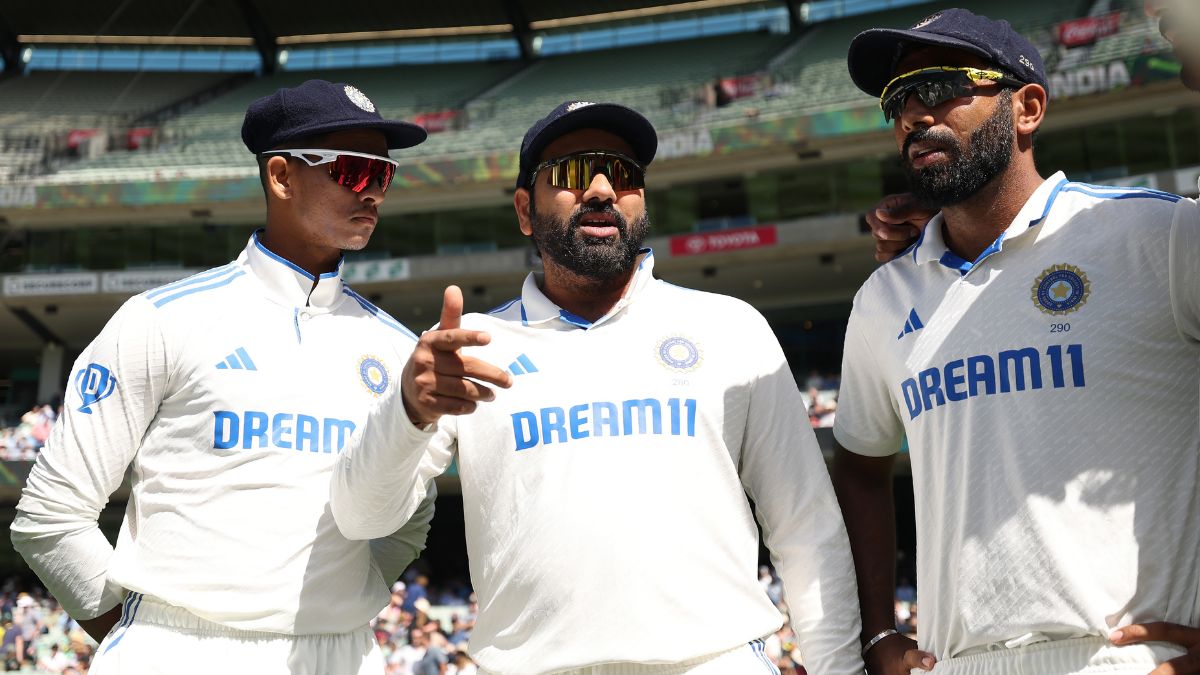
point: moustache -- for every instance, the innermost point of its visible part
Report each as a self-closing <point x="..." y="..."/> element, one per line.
<point x="944" y="139"/>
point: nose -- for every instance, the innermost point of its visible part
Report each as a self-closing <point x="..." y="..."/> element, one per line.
<point x="915" y="115"/>
<point x="600" y="189"/>
<point x="372" y="194"/>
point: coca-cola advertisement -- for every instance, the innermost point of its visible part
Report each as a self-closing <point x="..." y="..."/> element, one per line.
<point x="1085" y="31"/>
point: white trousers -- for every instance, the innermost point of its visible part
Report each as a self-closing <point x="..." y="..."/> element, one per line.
<point x="155" y="638"/>
<point x="749" y="659"/>
<point x="1076" y="656"/>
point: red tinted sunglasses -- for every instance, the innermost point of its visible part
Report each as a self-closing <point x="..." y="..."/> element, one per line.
<point x="355" y="170"/>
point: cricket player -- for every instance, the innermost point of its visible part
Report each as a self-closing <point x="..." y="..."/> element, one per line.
<point x="229" y="394"/>
<point x="606" y="490"/>
<point x="1040" y="348"/>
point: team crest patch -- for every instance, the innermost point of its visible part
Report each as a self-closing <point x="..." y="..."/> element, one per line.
<point x="1061" y="289"/>
<point x="926" y="21"/>
<point x="578" y="104"/>
<point x="374" y="375"/>
<point x="679" y="353"/>
<point x="359" y="99"/>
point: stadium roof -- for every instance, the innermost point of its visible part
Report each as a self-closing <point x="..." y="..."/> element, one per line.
<point x="189" y="21"/>
<point x="268" y="24"/>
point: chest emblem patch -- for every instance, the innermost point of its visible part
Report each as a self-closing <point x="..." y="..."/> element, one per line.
<point x="1061" y="289"/>
<point x="679" y="353"/>
<point x="374" y="374"/>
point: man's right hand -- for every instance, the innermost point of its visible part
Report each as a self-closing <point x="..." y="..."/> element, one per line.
<point x="897" y="655"/>
<point x="438" y="380"/>
<point x="896" y="222"/>
<point x="98" y="627"/>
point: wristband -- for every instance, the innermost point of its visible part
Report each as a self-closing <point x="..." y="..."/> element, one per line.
<point x="875" y="640"/>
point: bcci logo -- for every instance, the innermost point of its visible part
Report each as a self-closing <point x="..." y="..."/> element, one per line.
<point x="374" y="375"/>
<point x="1061" y="289"/>
<point x="94" y="384"/>
<point x="926" y="21"/>
<point x="679" y="353"/>
<point x="358" y="98"/>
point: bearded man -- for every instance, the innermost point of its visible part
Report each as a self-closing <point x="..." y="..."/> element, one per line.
<point x="607" y="518"/>
<point x="1039" y="347"/>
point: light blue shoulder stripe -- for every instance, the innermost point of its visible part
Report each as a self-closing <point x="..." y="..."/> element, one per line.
<point x="503" y="307"/>
<point x="198" y="289"/>
<point x="379" y="313"/>
<point x="188" y="281"/>
<point x="1111" y="192"/>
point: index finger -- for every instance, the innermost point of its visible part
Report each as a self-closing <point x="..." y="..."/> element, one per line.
<point x="452" y="308"/>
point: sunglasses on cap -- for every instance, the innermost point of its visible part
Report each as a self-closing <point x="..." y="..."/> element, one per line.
<point x="935" y="86"/>
<point x="354" y="170"/>
<point x="575" y="171"/>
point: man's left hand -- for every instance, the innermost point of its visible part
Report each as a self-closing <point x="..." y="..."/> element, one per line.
<point x="1161" y="631"/>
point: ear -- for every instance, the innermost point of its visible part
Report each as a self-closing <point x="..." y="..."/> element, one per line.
<point x="1029" y="108"/>
<point x="521" y="204"/>
<point x="279" y="183"/>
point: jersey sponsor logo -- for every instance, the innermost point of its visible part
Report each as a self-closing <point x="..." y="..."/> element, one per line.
<point x="374" y="375"/>
<point x="522" y="366"/>
<point x="911" y="325"/>
<point x="1061" y="289"/>
<point x="238" y="360"/>
<point x="679" y="353"/>
<point x="94" y="384"/>
<point x="287" y="431"/>
<point x="1011" y="370"/>
<point x="634" y="417"/>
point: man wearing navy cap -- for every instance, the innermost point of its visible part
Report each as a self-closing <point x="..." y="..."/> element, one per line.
<point x="230" y="394"/>
<point x="605" y="490"/>
<point x="1039" y="347"/>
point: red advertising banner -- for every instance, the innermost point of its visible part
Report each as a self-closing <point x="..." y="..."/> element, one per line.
<point x="723" y="240"/>
<point x="1085" y="31"/>
<point x="437" y="122"/>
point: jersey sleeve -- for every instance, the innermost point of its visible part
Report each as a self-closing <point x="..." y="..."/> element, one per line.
<point x="867" y="422"/>
<point x="783" y="471"/>
<point x="1185" y="268"/>
<point x="386" y="471"/>
<point x="113" y="394"/>
<point x="394" y="553"/>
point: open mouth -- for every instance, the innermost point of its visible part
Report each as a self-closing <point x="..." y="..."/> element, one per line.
<point x="925" y="153"/>
<point x="599" y="224"/>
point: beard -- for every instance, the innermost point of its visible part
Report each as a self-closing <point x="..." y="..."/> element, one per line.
<point x="597" y="258"/>
<point x="965" y="171"/>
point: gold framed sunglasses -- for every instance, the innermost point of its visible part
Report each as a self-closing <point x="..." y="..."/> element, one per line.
<point x="934" y="86"/>
<point x="576" y="170"/>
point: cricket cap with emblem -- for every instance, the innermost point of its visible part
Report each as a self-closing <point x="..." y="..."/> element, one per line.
<point x="570" y="116"/>
<point x="318" y="107"/>
<point x="874" y="53"/>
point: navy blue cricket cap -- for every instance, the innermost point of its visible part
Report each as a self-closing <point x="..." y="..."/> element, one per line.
<point x="570" y="116"/>
<point x="874" y="53"/>
<point x="319" y="107"/>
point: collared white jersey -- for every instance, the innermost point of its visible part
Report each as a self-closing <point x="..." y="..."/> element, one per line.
<point x="231" y="394"/>
<point x="606" y="491"/>
<point x="1051" y="408"/>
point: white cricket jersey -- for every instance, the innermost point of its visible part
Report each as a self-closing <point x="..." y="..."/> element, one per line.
<point x="606" y="492"/>
<point x="1051" y="408"/>
<point x="231" y="394"/>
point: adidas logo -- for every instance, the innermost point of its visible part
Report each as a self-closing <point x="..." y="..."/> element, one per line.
<point x="522" y="366"/>
<point x="238" y="360"/>
<point x="912" y="325"/>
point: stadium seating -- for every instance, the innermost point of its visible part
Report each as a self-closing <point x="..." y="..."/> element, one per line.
<point x="499" y="100"/>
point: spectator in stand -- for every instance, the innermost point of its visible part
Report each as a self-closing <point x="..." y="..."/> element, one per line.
<point x="462" y="665"/>
<point x="418" y="590"/>
<point x="434" y="660"/>
<point x="55" y="661"/>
